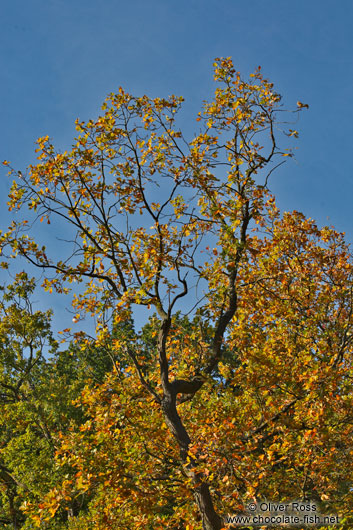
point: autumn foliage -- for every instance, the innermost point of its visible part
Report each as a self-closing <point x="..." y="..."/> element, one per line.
<point x="238" y="385"/>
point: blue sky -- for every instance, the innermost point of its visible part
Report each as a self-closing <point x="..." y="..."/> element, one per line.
<point x="60" y="58"/>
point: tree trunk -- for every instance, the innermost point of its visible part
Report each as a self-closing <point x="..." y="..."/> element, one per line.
<point x="210" y="519"/>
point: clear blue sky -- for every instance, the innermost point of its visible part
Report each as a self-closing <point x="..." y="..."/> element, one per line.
<point x="60" y="58"/>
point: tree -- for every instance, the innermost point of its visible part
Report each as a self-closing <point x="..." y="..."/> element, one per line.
<point x="24" y="334"/>
<point x="38" y="383"/>
<point x="243" y="397"/>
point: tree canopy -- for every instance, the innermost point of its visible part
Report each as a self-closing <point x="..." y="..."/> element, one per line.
<point x="239" y="384"/>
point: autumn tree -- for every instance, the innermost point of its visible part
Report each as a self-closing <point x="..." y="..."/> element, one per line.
<point x="250" y="395"/>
